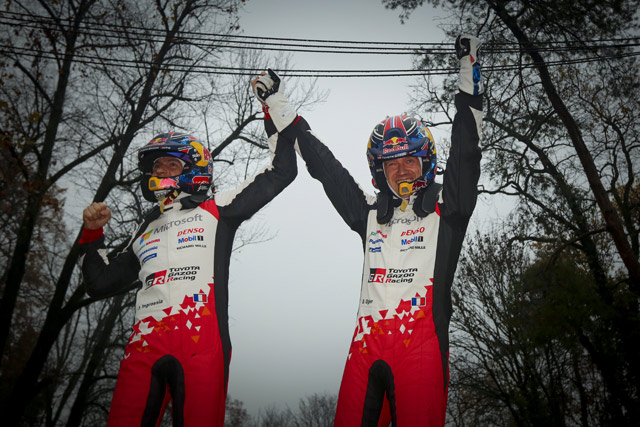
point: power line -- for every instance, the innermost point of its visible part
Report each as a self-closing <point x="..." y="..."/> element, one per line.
<point x="210" y="40"/>
<point x="222" y="70"/>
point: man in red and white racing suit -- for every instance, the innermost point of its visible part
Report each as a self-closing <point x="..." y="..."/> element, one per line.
<point x="180" y="346"/>
<point x="412" y="233"/>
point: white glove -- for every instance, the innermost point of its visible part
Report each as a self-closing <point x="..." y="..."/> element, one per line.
<point x="470" y="80"/>
<point x="268" y="90"/>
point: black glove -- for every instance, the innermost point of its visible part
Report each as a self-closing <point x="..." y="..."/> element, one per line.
<point x="267" y="85"/>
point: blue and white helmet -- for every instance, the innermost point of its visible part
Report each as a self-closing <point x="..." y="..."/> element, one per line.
<point x="197" y="172"/>
<point x="401" y="136"/>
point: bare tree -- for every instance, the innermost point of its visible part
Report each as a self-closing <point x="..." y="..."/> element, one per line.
<point x="516" y="352"/>
<point x="560" y="135"/>
<point x="235" y="413"/>
<point x="317" y="410"/>
<point x="274" y="417"/>
<point x="83" y="79"/>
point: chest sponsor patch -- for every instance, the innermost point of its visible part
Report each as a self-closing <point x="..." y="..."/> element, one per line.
<point x="392" y="275"/>
<point x="157" y="278"/>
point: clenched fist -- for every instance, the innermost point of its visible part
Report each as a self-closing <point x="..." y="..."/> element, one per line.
<point x="96" y="216"/>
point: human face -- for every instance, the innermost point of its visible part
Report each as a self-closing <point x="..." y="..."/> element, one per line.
<point x="403" y="169"/>
<point x="165" y="167"/>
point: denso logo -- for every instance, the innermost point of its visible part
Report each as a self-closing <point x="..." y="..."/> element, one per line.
<point x="412" y="232"/>
<point x="191" y="231"/>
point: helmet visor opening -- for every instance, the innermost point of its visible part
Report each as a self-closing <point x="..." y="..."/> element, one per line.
<point x="167" y="166"/>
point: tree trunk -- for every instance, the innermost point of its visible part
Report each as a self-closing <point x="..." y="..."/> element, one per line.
<point x="608" y="211"/>
<point x="15" y="273"/>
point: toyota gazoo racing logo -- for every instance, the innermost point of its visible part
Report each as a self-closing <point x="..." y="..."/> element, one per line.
<point x="377" y="275"/>
<point x="392" y="275"/>
<point x="183" y="273"/>
<point x="157" y="278"/>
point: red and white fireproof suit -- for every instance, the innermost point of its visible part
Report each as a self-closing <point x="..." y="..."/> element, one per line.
<point x="180" y="346"/>
<point x="397" y="366"/>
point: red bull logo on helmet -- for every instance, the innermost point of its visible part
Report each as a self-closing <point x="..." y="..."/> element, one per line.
<point x="395" y="141"/>
<point x="395" y="148"/>
<point x="156" y="183"/>
<point x="158" y="140"/>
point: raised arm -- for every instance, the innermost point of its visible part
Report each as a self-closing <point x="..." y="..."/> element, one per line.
<point x="460" y="191"/>
<point x="343" y="191"/>
<point x="240" y="204"/>
<point x="347" y="197"/>
<point x="104" y="276"/>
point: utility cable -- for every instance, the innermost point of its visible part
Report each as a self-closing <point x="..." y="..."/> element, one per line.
<point x="211" y="69"/>
<point x="211" y="40"/>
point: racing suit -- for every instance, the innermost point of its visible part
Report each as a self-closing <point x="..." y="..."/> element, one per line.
<point x="180" y="347"/>
<point x="400" y="344"/>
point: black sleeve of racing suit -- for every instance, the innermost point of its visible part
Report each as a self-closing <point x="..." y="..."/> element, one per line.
<point x="460" y="193"/>
<point x="104" y="275"/>
<point x="240" y="204"/>
<point x="344" y="193"/>
<point x="460" y="181"/>
<point x="107" y="275"/>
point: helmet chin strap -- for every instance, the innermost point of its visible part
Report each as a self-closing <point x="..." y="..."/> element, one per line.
<point x="168" y="199"/>
<point x="157" y="186"/>
<point x="405" y="188"/>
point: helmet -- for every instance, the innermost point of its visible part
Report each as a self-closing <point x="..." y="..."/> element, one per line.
<point x="401" y="136"/>
<point x="196" y="174"/>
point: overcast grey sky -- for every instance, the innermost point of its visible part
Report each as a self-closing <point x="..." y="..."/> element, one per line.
<point x="293" y="300"/>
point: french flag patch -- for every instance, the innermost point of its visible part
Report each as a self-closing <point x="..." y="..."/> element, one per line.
<point x="418" y="301"/>
<point x="199" y="297"/>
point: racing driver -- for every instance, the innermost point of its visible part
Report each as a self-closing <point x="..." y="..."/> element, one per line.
<point x="179" y="349"/>
<point x="412" y="232"/>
